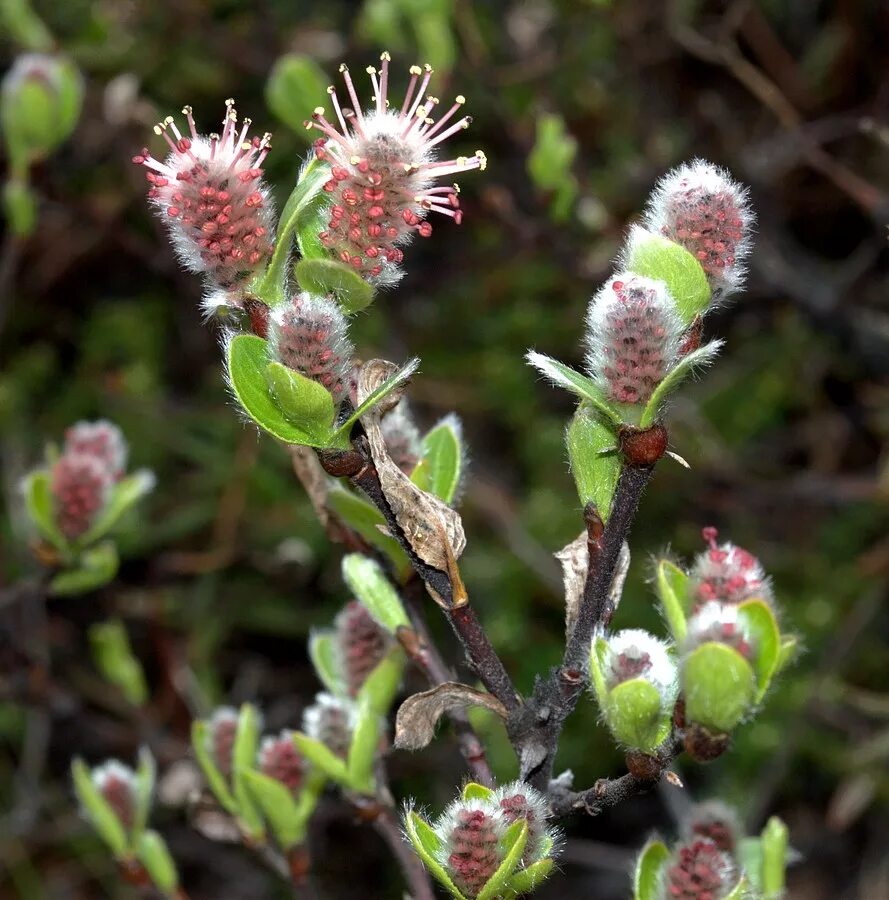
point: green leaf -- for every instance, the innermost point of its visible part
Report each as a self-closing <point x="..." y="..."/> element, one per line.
<point x="330" y="276"/>
<point x="244" y="761"/>
<point x="657" y="257"/>
<point x="363" y="517"/>
<point x="529" y="878"/>
<point x="775" y="837"/>
<point x="719" y="686"/>
<point x="595" y="461"/>
<point x="39" y="506"/>
<point x="97" y="808"/>
<point x="381" y="685"/>
<point x="637" y="715"/>
<point x="427" y="845"/>
<point x="114" y="658"/>
<point x="647" y="875"/>
<point x="597" y="674"/>
<point x="363" y="748"/>
<point x="247" y="365"/>
<point x="762" y="629"/>
<point x="386" y="388"/>
<point x="513" y="843"/>
<point x="124" y="494"/>
<point x="322" y="757"/>
<point x="200" y="737"/>
<point x="93" y="569"/>
<point x="304" y="402"/>
<point x="155" y="856"/>
<point x="368" y="582"/>
<point x="24" y="26"/>
<point x="789" y="649"/>
<point x="473" y="791"/>
<point x="301" y="207"/>
<point x="279" y="808"/>
<point x="750" y="856"/>
<point x="674" y="590"/>
<point x="441" y="464"/>
<point x="739" y="891"/>
<point x="326" y="662"/>
<point x="550" y="161"/>
<point x="703" y="356"/>
<point x="295" y="87"/>
<point x="146" y="774"/>
<point x="566" y="377"/>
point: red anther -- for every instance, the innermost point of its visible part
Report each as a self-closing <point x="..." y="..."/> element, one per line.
<point x="710" y="535"/>
<point x="254" y="200"/>
<point x="617" y="285"/>
<point x="424" y="229"/>
<point x="173" y="211"/>
<point x="375" y="212"/>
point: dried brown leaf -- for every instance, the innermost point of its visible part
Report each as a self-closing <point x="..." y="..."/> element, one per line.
<point x="417" y="717"/>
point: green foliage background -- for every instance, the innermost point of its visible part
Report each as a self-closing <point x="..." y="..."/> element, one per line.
<point x="579" y="105"/>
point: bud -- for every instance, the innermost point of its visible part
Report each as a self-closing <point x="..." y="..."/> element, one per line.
<point x="309" y="335"/>
<point x="699" y="870"/>
<point x="101" y="439"/>
<point x="331" y="721"/>
<point x="81" y="485"/>
<point x="221" y="737"/>
<point x="717" y="822"/>
<point x="634" y="677"/>
<point x="39" y="107"/>
<point x="211" y="195"/>
<point x="383" y="168"/>
<point x="520" y="802"/>
<point x="470" y="833"/>
<point x="361" y="642"/>
<point x="279" y="759"/>
<point x="700" y="207"/>
<point x="727" y="573"/>
<point x="402" y="437"/>
<point x="633" y="337"/>
<point x="117" y="784"/>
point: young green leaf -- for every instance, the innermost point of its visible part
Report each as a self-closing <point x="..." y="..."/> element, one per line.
<point x="595" y="461"/>
<point x="427" y="845"/>
<point x="719" y="686"/>
<point x="674" y="588"/>
<point x="304" y="402"/>
<point x="319" y="755"/>
<point x="94" y="568"/>
<point x="381" y="685"/>
<point x="566" y="377"/>
<point x="762" y="628"/>
<point x="598" y="650"/>
<point x="527" y="879"/>
<point x="647" y="875"/>
<point x="39" y="506"/>
<point x="98" y="810"/>
<point x="774" y="858"/>
<point x="116" y="661"/>
<point x="124" y="494"/>
<point x="243" y="761"/>
<point x="154" y="855"/>
<point x="363" y="749"/>
<point x="323" y="653"/>
<point x="279" y="808"/>
<point x="513" y="843"/>
<point x="146" y="774"/>
<point x="200" y="738"/>
<point x="636" y="715"/>
<point x="330" y="276"/>
<point x="703" y="356"/>
<point x="789" y="649"/>
<point x="295" y="86"/>
<point x="386" y="388"/>
<point x="375" y="592"/>
<point x="473" y="791"/>
<point x="441" y="464"/>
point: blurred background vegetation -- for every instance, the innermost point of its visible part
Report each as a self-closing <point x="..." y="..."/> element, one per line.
<point x="580" y="105"/>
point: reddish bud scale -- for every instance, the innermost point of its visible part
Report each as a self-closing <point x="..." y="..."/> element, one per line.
<point x="633" y="337"/>
<point x="361" y="642"/>
<point x="210" y="193"/>
<point x="279" y="759"/>
<point x="475" y="853"/>
<point x="80" y="486"/>
<point x="383" y="167"/>
<point x="700" y="871"/>
<point x="309" y="335"/>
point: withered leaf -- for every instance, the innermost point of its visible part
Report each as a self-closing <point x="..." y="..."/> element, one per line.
<point x="417" y="717"/>
<point x="433" y="530"/>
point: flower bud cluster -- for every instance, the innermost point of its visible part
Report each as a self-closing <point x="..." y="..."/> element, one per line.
<point x="700" y="870"/>
<point x="384" y="167"/>
<point x="727" y="573"/>
<point x="633" y="337"/>
<point x="310" y="335"/>
<point x="279" y="759"/>
<point x="223" y="727"/>
<point x="361" y="644"/>
<point x="116" y="782"/>
<point x="210" y="193"/>
<point x="700" y="207"/>
<point x="92" y="461"/>
<point x="331" y="721"/>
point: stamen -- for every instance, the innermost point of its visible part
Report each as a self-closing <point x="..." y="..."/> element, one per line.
<point x="359" y="115"/>
<point x="336" y="105"/>
<point x="415" y="73"/>
<point x="458" y="102"/>
<point x="376" y="86"/>
<point x="384" y="79"/>
<point x="187" y="112"/>
<point x="457" y="126"/>
<point x="427" y="75"/>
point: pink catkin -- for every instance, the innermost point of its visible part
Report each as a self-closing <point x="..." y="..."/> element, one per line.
<point x="210" y="193"/>
<point x="223" y="728"/>
<point x="80" y="484"/>
<point x="309" y="335"/>
<point x="474" y="852"/>
<point x="118" y="792"/>
<point x="700" y="871"/>
<point x="633" y="337"/>
<point x="361" y="643"/>
<point x="383" y="168"/>
<point x="718" y="623"/>
<point x="102" y="440"/>
<point x="727" y="573"/>
<point x="279" y="759"/>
